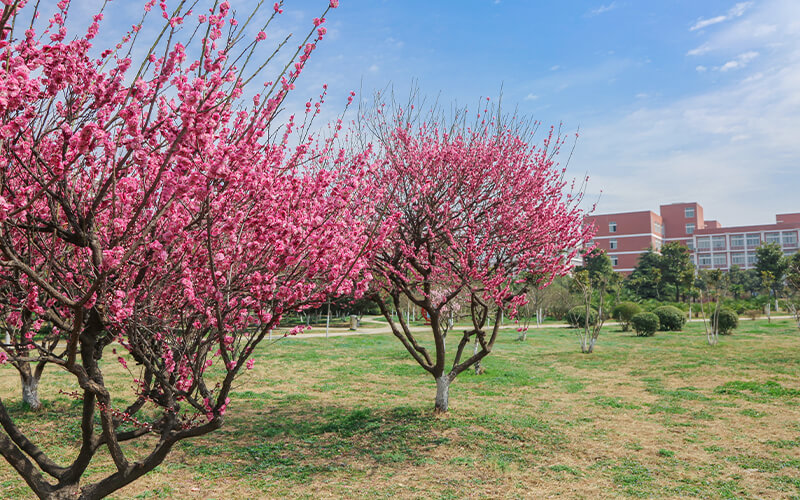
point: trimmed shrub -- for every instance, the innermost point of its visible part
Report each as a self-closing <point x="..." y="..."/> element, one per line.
<point x="576" y="316"/>
<point x="671" y="318"/>
<point x="623" y="313"/>
<point x="728" y="321"/>
<point x="645" y="324"/>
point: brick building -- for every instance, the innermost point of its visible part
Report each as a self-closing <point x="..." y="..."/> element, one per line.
<point x="625" y="236"/>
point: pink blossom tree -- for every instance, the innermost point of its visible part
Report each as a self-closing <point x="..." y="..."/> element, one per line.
<point x="158" y="219"/>
<point x="473" y="207"/>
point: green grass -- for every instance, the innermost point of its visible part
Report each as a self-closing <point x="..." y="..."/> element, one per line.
<point x="667" y="416"/>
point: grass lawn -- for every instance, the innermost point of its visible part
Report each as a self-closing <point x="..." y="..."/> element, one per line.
<point x="666" y="416"/>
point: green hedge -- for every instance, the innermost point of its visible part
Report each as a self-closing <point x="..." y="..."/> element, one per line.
<point x="671" y="318"/>
<point x="645" y="324"/>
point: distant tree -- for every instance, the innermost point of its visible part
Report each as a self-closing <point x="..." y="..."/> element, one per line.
<point x="646" y="278"/>
<point x="743" y="281"/>
<point x="597" y="263"/>
<point x="676" y="267"/>
<point x="659" y="274"/>
<point x="770" y="259"/>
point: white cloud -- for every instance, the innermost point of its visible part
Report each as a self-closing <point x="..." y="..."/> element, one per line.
<point x="531" y="97"/>
<point x="701" y="69"/>
<point x="698" y="51"/>
<point x="374" y="68"/>
<point x="740" y="62"/>
<point x="736" y="11"/>
<point x="602" y="9"/>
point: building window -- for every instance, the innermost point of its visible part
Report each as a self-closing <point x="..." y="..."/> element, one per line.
<point x="657" y="246"/>
<point x="689" y="212"/>
<point x="659" y="229"/>
<point x="753" y="240"/>
<point x="690" y="244"/>
<point x="614" y="260"/>
<point x="751" y="259"/>
<point x="737" y="241"/>
<point x="719" y="260"/>
<point x="612" y="227"/>
<point x="737" y="259"/>
<point x="689" y="228"/>
<point x="718" y="242"/>
<point x="612" y="244"/>
<point x="790" y="239"/>
<point x="704" y="243"/>
<point x="704" y="260"/>
<point x="772" y="238"/>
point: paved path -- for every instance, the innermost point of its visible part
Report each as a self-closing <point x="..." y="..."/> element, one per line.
<point x="379" y="327"/>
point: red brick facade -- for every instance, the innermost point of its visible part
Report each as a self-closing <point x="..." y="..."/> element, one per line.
<point x="625" y="236"/>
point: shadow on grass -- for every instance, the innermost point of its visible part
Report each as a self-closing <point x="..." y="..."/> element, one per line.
<point x="296" y="441"/>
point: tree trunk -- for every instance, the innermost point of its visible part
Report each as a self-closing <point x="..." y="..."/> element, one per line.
<point x="478" y="369"/>
<point x="442" y="394"/>
<point x="769" y="315"/>
<point x="328" y="321"/>
<point x="30" y="391"/>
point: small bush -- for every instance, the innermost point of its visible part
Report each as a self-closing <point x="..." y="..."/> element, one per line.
<point x="624" y="312"/>
<point x="645" y="324"/>
<point x="576" y="316"/>
<point x="727" y="321"/>
<point x="671" y="318"/>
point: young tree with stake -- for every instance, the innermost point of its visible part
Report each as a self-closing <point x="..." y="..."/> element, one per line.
<point x="595" y="277"/>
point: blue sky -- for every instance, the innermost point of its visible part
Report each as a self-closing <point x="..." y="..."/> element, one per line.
<point x="678" y="100"/>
